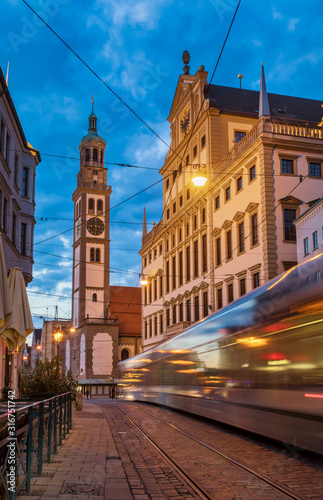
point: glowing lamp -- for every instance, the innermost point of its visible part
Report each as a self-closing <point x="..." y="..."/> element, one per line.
<point x="199" y="180"/>
<point x="144" y="281"/>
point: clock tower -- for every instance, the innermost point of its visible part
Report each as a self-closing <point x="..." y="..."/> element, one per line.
<point x="91" y="230"/>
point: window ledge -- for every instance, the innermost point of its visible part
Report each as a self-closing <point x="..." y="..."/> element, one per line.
<point x="290" y="241"/>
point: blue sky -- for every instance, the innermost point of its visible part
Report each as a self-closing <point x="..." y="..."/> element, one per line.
<point x="135" y="46"/>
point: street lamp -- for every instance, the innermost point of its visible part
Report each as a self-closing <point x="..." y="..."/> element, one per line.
<point x="58" y="335"/>
<point x="199" y="179"/>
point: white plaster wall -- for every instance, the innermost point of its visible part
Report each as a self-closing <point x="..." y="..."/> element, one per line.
<point x="102" y="349"/>
<point x="82" y="354"/>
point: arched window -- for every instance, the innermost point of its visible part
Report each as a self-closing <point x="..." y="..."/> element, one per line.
<point x="95" y="154"/>
<point x="91" y="206"/>
<point x="94" y="297"/>
<point x="101" y="157"/>
<point x="87" y="154"/>
<point x="97" y="255"/>
<point x="124" y="354"/>
<point x="99" y="206"/>
<point x="92" y="255"/>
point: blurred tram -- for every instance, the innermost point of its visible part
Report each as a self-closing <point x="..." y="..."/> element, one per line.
<point x="256" y="364"/>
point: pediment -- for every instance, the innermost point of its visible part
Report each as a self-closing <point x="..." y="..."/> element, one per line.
<point x="203" y="285"/>
<point x="179" y="297"/>
<point x="166" y="304"/>
<point x="226" y="224"/>
<point x="182" y="94"/>
<point x="187" y="293"/>
<point x="172" y="300"/>
<point x="238" y="215"/>
<point x="195" y="289"/>
<point x="252" y="206"/>
<point x="160" y="272"/>
<point x="216" y="231"/>
<point x="291" y="200"/>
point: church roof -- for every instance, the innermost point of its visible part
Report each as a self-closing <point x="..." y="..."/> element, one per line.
<point x="125" y="302"/>
<point x="246" y="102"/>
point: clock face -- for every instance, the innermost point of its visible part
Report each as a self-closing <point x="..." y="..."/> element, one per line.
<point x="185" y="123"/>
<point x="95" y="226"/>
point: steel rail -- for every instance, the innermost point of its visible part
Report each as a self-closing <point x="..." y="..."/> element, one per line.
<point x="263" y="477"/>
<point x="202" y="493"/>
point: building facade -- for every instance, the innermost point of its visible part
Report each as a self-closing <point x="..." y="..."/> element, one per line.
<point x="309" y="232"/>
<point x="262" y="155"/>
<point x="18" y="162"/>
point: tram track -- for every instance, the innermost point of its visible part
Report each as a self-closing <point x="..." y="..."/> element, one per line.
<point x="194" y="484"/>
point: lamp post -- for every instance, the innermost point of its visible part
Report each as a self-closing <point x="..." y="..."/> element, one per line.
<point x="58" y="335"/>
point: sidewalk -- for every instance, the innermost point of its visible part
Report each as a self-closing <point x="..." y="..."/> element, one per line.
<point x="87" y="465"/>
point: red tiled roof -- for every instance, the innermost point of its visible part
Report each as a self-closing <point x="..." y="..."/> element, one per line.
<point x="125" y="302"/>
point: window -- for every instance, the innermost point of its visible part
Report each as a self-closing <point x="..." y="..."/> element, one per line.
<point x="205" y="304"/>
<point x="167" y="276"/>
<point x="155" y="253"/>
<point x="181" y="201"/>
<point x="187" y="228"/>
<point x="318" y="276"/>
<point x="150" y="327"/>
<point x="23" y="238"/>
<point x="16" y="170"/>
<point x="150" y="258"/>
<point x="196" y="308"/>
<point x="204" y="254"/>
<point x="167" y="213"/>
<point x="146" y="330"/>
<point x="14" y="229"/>
<point x="254" y="229"/>
<point x="25" y="181"/>
<point x="188" y="264"/>
<point x="219" y="298"/>
<point x="195" y="222"/>
<point x="203" y="215"/>
<point x="217" y="203"/>
<point x="101" y="156"/>
<point x="239" y="183"/>
<point x="188" y="310"/>
<point x="241" y="237"/>
<point x="124" y="354"/>
<point x="174" y="208"/>
<point x="227" y="193"/>
<point x="174" y="314"/>
<point x="230" y="293"/>
<point x="173" y="241"/>
<point x="8" y="148"/>
<point x="167" y="183"/>
<point x="87" y="155"/>
<point x="160" y="249"/>
<point x="95" y="154"/>
<point x="167" y="246"/>
<point x="194" y="151"/>
<point x="145" y="295"/>
<point x="94" y="297"/>
<point x="91" y="206"/>
<point x="196" y="258"/>
<point x="315" y="240"/>
<point x="160" y="286"/>
<point x="99" y="206"/>
<point x="160" y="324"/>
<point x="229" y="245"/>
<point x="5" y="215"/>
<point x="239" y="135"/>
<point x="155" y="324"/>
<point x="218" y="251"/>
<point x="180" y="308"/>
<point x="242" y="285"/>
<point x="306" y="246"/>
<point x="174" y="176"/>
<point x="91" y="254"/>
<point x="188" y="194"/>
<point x="180" y="265"/>
<point x="174" y="272"/>
<point x="97" y="255"/>
<point x="314" y="169"/>
<point x="95" y="172"/>
<point x="203" y="142"/>
<point x="289" y="228"/>
<point x="252" y="173"/>
<point x="256" y="280"/>
<point x="286" y="166"/>
<point x="180" y="235"/>
<point x="2" y="140"/>
<point x="149" y="293"/>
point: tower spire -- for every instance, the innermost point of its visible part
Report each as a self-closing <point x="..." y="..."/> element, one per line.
<point x="144" y="225"/>
<point x="263" y="97"/>
<point x="92" y="119"/>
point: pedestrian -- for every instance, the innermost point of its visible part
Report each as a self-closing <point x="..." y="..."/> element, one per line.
<point x="87" y="393"/>
<point x="113" y="392"/>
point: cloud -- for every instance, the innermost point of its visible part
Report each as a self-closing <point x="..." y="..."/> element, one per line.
<point x="51" y="106"/>
<point x="276" y="14"/>
<point x="292" y="24"/>
<point x="143" y="12"/>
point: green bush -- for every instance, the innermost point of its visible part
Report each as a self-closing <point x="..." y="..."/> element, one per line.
<point x="45" y="380"/>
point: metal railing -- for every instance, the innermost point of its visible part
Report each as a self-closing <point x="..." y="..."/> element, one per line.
<point x="29" y="436"/>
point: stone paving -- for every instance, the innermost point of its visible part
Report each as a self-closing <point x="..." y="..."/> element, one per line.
<point x="80" y="469"/>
